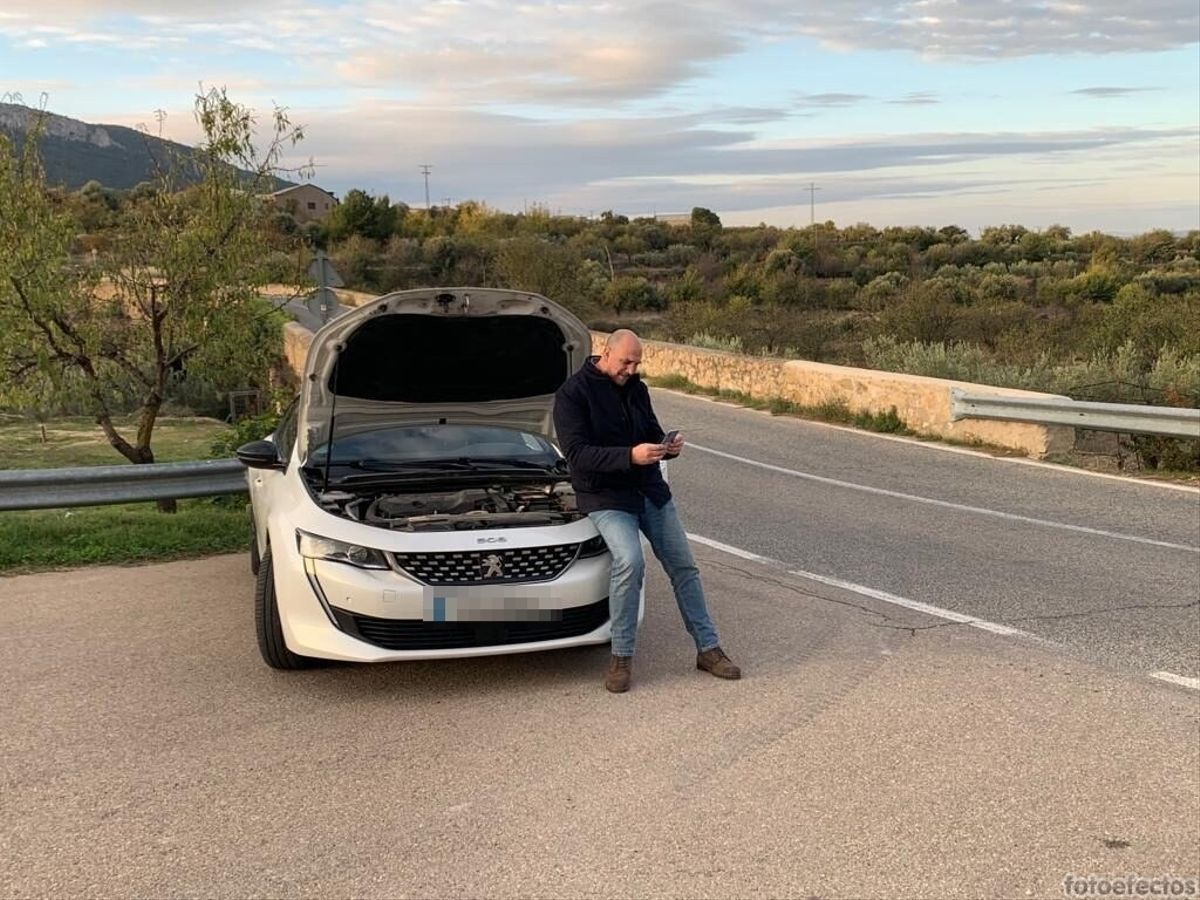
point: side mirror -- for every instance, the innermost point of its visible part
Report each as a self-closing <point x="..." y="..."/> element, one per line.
<point x="260" y="455"/>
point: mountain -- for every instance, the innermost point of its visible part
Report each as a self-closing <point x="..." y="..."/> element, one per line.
<point x="75" y="152"/>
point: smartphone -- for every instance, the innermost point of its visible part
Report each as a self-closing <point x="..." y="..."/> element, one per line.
<point x="671" y="435"/>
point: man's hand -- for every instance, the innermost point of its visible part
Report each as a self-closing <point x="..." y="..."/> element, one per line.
<point x="647" y="454"/>
<point x="675" y="446"/>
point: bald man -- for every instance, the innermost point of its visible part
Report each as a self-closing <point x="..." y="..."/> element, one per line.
<point x="613" y="442"/>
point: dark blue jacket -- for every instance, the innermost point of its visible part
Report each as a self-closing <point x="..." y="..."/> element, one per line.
<point x="598" y="424"/>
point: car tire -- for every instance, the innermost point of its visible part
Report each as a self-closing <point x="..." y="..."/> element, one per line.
<point x="271" y="644"/>
<point x="255" y="558"/>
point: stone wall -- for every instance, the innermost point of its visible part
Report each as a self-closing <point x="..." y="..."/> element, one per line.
<point x="296" y="341"/>
<point x="923" y="403"/>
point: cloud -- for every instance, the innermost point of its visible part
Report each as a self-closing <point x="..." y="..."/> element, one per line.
<point x="588" y="53"/>
<point x="77" y="10"/>
<point x="990" y="28"/>
<point x="573" y="57"/>
<point x="831" y="100"/>
<point x="1105" y="92"/>
<point x="916" y="98"/>
<point x="676" y="162"/>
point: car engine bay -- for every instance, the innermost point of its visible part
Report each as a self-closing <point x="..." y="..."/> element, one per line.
<point x="489" y="506"/>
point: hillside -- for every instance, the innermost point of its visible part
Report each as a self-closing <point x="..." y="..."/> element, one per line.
<point x="76" y="152"/>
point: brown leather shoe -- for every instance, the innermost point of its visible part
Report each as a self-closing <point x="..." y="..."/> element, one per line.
<point x="617" y="677"/>
<point x="716" y="662"/>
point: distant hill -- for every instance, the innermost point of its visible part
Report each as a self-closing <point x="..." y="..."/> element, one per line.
<point x="75" y="152"/>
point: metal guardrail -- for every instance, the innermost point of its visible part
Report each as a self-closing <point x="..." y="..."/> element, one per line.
<point x="1169" y="421"/>
<point x="100" y="485"/>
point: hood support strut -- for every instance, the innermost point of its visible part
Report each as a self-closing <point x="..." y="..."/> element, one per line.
<point x="337" y="359"/>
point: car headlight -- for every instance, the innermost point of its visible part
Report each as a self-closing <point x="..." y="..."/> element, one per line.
<point x="315" y="547"/>
<point x="593" y="547"/>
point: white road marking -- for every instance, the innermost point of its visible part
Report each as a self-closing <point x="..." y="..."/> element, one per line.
<point x="934" y="444"/>
<point x="735" y="551"/>
<point x="1182" y="680"/>
<point x="926" y="608"/>
<point x="916" y="605"/>
<point x="946" y="504"/>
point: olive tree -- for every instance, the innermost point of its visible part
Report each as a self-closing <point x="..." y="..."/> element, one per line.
<point x="177" y="289"/>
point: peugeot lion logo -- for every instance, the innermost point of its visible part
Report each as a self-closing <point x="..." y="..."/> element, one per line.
<point x="493" y="566"/>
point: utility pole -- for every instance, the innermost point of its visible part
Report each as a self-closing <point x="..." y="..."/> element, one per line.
<point x="812" y="203"/>
<point x="425" y="167"/>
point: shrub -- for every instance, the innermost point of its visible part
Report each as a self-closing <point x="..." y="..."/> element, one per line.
<point x="711" y="342"/>
<point x="249" y="428"/>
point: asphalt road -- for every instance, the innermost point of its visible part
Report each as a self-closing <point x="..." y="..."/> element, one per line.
<point x="871" y="750"/>
<point x="149" y="753"/>
<point x="302" y="311"/>
<point x="1108" y="568"/>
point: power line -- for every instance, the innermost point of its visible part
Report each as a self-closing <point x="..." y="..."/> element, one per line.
<point x="812" y="203"/>
<point x="425" y="167"/>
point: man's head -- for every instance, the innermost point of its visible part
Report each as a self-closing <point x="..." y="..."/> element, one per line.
<point x="621" y="357"/>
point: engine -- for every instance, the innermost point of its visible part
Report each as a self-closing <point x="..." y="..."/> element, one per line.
<point x="500" y="506"/>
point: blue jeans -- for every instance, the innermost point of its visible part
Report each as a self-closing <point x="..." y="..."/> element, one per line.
<point x="670" y="544"/>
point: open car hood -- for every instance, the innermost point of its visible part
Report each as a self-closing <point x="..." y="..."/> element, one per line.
<point x="440" y="356"/>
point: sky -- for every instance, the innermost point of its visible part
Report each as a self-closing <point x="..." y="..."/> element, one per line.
<point x="926" y="112"/>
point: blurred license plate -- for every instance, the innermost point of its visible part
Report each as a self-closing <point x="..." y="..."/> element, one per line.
<point x="485" y="607"/>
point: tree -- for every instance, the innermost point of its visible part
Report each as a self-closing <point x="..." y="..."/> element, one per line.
<point x="360" y="213"/>
<point x="706" y="225"/>
<point x="630" y="293"/>
<point x="97" y="206"/>
<point x="176" y="293"/>
<point x="1157" y="246"/>
<point x="629" y="245"/>
<point x="552" y="270"/>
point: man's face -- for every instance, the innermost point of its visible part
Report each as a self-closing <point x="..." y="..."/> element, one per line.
<point x="620" y="363"/>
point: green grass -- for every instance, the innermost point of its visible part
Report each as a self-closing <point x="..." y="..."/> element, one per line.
<point x="80" y="442"/>
<point x="128" y="533"/>
<point x="135" y="532"/>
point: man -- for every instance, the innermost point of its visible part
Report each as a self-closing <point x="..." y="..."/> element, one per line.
<point x="613" y="441"/>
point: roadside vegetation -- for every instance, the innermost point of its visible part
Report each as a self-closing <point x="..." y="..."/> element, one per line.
<point x="26" y="443"/>
<point x="113" y="307"/>
<point x="123" y="314"/>
<point x="1091" y="316"/>
<point x="126" y="533"/>
<point x="34" y="540"/>
<point x="1095" y="316"/>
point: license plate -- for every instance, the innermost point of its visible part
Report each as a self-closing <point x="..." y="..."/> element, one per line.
<point x="489" y="607"/>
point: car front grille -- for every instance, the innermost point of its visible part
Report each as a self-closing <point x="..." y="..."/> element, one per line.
<point x="521" y="564"/>
<point x="416" y="634"/>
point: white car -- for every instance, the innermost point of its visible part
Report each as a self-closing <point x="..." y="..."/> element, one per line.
<point x="412" y="502"/>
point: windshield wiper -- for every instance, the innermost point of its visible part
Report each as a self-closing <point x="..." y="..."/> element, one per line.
<point x="558" y="467"/>
<point x="370" y="470"/>
<point x="458" y="464"/>
<point x="381" y="473"/>
<point x="405" y="465"/>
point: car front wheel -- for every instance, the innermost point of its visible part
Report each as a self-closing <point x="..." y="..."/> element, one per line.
<point x="266" y="620"/>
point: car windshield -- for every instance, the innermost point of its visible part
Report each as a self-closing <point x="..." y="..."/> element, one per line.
<point x="413" y="445"/>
